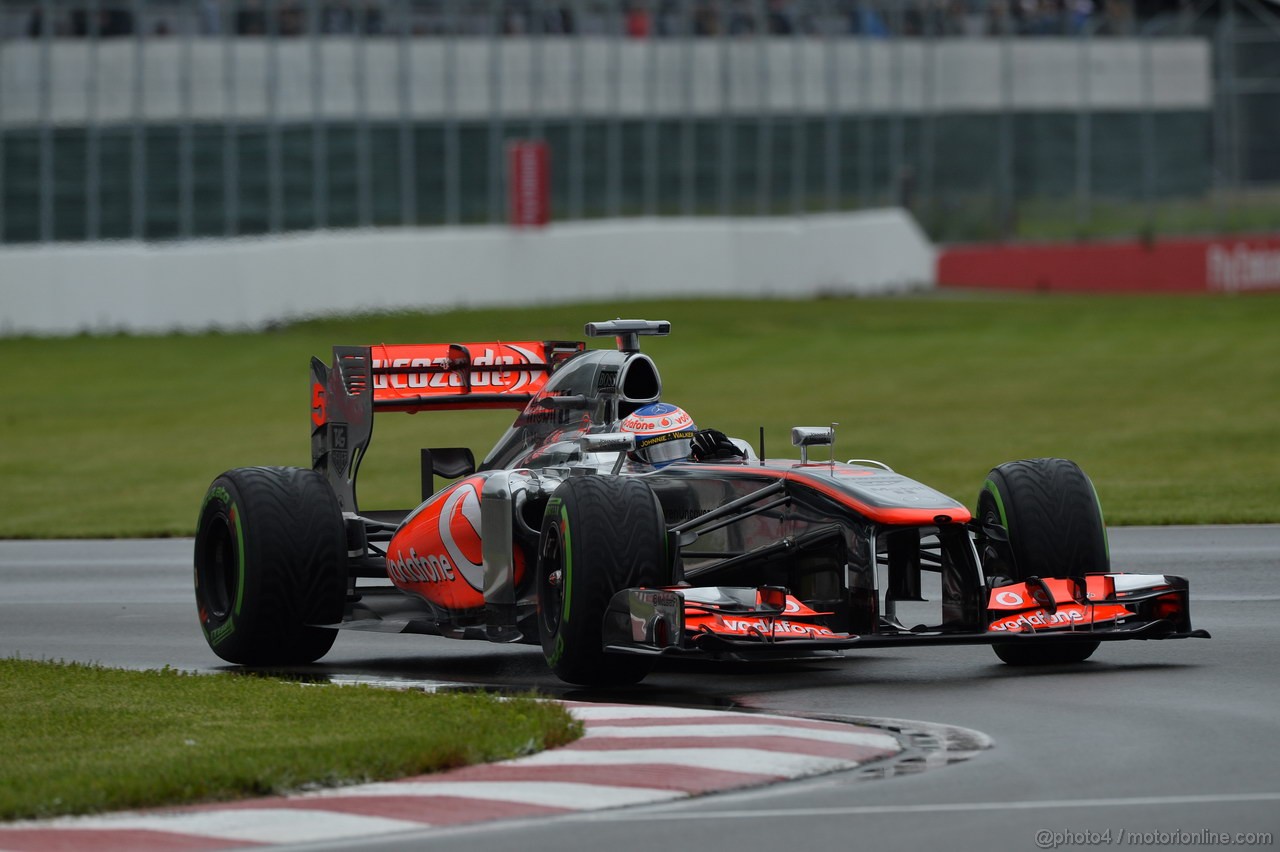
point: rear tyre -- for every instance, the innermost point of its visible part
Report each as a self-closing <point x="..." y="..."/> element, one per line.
<point x="1054" y="522"/>
<point x="600" y="534"/>
<point x="270" y="562"/>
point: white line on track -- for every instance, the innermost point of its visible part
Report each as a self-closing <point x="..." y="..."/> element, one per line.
<point x="944" y="807"/>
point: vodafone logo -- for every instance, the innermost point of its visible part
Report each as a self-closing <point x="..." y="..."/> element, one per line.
<point x="760" y="626"/>
<point x="1040" y="618"/>
<point x="460" y="534"/>
<point x="659" y="418"/>
<point x="1009" y="599"/>
<point x="419" y="569"/>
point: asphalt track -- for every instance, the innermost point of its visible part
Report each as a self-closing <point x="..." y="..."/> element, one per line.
<point x="1147" y="745"/>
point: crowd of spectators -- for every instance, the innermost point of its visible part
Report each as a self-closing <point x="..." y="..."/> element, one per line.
<point x="634" y="18"/>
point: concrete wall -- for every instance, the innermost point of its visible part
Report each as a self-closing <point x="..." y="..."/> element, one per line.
<point x="250" y="282"/>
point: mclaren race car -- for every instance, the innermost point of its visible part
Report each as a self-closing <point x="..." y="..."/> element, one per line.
<point x="604" y="527"/>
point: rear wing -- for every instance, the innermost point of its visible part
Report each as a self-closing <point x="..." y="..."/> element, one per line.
<point x="452" y="376"/>
<point x="412" y="378"/>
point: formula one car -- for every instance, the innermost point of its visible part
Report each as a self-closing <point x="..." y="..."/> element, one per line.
<point x="569" y="535"/>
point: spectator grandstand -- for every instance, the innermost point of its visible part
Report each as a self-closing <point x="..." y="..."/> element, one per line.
<point x="632" y="18"/>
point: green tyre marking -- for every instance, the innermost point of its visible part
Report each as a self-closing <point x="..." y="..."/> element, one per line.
<point x="567" y="580"/>
<point x="216" y="636"/>
<point x="1106" y="539"/>
<point x="557" y="653"/>
<point x="990" y="488"/>
<point x="218" y="493"/>
<point x="234" y="517"/>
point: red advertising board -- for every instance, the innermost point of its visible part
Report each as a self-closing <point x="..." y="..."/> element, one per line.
<point x="1217" y="264"/>
<point x="528" y="183"/>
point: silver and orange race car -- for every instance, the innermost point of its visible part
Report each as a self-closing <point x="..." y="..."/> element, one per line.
<point x="565" y="535"/>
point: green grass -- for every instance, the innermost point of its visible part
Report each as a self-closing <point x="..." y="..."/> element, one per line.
<point x="81" y="739"/>
<point x="1171" y="404"/>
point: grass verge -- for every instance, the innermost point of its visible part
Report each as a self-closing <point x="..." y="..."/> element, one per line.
<point x="1169" y="403"/>
<point x="81" y="739"/>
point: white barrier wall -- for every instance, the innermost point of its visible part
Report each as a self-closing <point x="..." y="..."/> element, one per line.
<point x="58" y="289"/>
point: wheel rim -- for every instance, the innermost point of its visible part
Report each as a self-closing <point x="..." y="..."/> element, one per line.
<point x="993" y="568"/>
<point x="216" y="572"/>
<point x="551" y="582"/>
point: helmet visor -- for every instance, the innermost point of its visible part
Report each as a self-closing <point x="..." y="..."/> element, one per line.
<point x="660" y="450"/>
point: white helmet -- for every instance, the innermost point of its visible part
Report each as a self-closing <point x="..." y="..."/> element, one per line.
<point x="664" y="433"/>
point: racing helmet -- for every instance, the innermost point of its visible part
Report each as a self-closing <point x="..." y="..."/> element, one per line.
<point x="664" y="433"/>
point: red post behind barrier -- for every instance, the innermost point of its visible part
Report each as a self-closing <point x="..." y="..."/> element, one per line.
<point x="528" y="183"/>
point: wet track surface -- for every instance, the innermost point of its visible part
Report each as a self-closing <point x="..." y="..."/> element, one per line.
<point x="1147" y="737"/>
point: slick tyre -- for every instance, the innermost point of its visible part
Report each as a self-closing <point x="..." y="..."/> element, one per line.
<point x="600" y="534"/>
<point x="1054" y="522"/>
<point x="270" y="562"/>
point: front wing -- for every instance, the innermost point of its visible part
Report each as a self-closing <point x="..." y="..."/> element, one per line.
<point x="768" y="622"/>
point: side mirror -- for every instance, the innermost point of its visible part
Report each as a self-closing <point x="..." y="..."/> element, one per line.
<point x="606" y="442"/>
<point x="566" y="402"/>
<point x="805" y="437"/>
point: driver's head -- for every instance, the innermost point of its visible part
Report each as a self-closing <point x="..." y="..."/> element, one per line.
<point x="664" y="433"/>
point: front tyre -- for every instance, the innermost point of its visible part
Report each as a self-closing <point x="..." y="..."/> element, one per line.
<point x="600" y="534"/>
<point x="270" y="562"/>
<point x="1054" y="522"/>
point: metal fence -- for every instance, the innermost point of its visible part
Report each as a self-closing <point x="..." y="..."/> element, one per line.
<point x="164" y="119"/>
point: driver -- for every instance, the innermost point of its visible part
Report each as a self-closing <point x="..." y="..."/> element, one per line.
<point x="666" y="433"/>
